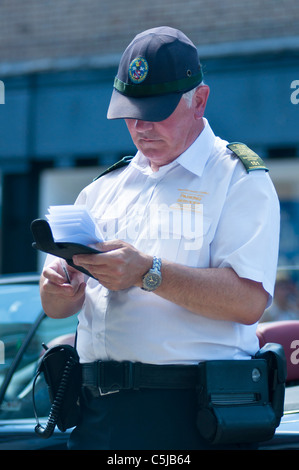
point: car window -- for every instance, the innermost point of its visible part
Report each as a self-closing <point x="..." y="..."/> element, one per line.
<point x="19" y="307"/>
<point x="20" y="303"/>
<point x="17" y="402"/>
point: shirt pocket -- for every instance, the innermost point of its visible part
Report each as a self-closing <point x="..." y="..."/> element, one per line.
<point x="124" y="228"/>
<point x="182" y="233"/>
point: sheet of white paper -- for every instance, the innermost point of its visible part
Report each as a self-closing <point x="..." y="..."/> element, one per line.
<point x="73" y="224"/>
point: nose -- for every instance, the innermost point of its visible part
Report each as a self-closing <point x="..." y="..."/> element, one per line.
<point x="142" y="126"/>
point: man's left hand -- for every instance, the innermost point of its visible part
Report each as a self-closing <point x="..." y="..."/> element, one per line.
<point x="118" y="266"/>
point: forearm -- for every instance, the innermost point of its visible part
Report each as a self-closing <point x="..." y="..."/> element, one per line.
<point x="217" y="293"/>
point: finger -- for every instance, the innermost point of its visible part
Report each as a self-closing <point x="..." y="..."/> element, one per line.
<point x="52" y="275"/>
<point x="87" y="260"/>
<point x="101" y="259"/>
<point x="110" y="245"/>
<point x="60" y="274"/>
<point x="107" y="249"/>
<point x="65" y="289"/>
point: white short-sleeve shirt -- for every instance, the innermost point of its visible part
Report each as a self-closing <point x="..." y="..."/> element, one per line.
<point x="202" y="210"/>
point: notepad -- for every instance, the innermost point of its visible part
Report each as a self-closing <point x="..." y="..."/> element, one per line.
<point x="73" y="223"/>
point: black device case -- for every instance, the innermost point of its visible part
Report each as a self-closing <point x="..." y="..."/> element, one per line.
<point x="44" y="241"/>
<point x="241" y="401"/>
<point x="61" y="369"/>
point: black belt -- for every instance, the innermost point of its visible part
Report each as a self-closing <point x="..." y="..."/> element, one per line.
<point x="113" y="376"/>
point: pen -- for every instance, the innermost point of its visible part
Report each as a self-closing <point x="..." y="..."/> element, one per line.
<point x="65" y="272"/>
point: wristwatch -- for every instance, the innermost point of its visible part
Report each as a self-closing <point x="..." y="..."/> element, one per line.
<point x="153" y="278"/>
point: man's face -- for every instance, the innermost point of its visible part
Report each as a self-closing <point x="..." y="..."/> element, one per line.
<point x="162" y="142"/>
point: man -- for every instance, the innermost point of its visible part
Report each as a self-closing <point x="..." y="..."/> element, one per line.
<point x="188" y="262"/>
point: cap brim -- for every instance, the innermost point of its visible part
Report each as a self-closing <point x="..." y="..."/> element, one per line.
<point x="152" y="108"/>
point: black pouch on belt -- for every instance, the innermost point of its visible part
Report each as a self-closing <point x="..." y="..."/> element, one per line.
<point x="241" y="401"/>
<point x="62" y="372"/>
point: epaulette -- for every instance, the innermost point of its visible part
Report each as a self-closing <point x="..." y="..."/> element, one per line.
<point x="248" y="157"/>
<point x="123" y="162"/>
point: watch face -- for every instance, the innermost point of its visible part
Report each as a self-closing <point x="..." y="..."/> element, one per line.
<point x="152" y="281"/>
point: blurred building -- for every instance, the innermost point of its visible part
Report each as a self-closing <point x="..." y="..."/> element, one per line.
<point x="58" y="60"/>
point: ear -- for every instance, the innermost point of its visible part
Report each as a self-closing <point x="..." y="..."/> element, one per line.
<point x="200" y="99"/>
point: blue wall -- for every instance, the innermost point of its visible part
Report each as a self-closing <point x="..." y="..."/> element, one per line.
<point x="250" y="101"/>
<point x="62" y="116"/>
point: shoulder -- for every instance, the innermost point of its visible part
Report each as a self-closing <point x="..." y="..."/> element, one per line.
<point x="251" y="178"/>
<point x="103" y="182"/>
<point x="116" y="166"/>
<point x="242" y="171"/>
<point x="250" y="160"/>
<point x="236" y="160"/>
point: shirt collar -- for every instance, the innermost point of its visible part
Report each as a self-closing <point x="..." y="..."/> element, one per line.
<point x="193" y="159"/>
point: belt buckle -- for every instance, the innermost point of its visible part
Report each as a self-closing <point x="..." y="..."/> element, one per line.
<point x="114" y="376"/>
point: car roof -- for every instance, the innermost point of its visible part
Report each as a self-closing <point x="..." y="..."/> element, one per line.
<point x="19" y="278"/>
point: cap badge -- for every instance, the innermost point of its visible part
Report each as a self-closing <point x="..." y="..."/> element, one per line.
<point x="138" y="70"/>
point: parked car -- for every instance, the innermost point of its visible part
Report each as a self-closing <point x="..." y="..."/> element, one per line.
<point x="23" y="329"/>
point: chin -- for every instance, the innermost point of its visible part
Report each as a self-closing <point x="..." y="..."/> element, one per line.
<point x="152" y="153"/>
<point x="154" y="157"/>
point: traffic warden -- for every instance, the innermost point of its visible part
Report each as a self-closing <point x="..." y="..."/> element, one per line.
<point x="190" y="227"/>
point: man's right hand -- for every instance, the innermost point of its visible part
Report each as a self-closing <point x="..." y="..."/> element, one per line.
<point x="61" y="298"/>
